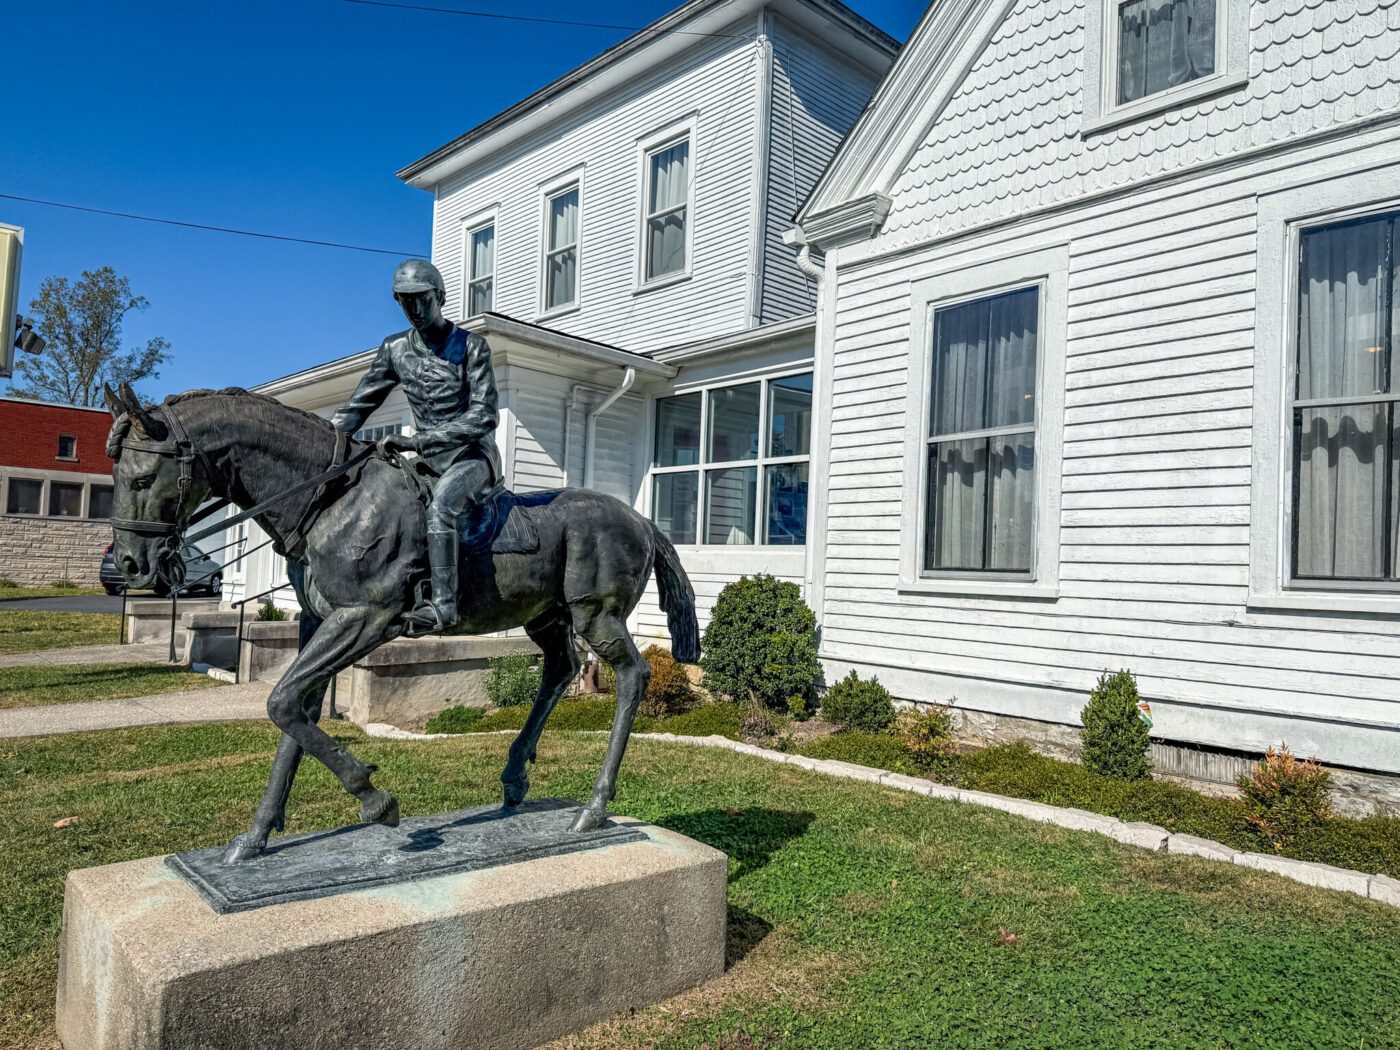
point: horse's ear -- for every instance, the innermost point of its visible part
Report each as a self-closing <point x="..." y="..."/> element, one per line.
<point x="152" y="426"/>
<point x="114" y="401"/>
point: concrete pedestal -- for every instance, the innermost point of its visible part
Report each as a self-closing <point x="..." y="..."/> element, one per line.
<point x="506" y="956"/>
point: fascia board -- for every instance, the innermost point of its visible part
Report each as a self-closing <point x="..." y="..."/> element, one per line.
<point x="751" y="339"/>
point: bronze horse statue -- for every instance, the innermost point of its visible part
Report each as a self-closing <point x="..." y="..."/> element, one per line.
<point x="358" y="553"/>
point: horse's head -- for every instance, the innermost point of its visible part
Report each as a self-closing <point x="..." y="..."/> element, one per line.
<point x="156" y="489"/>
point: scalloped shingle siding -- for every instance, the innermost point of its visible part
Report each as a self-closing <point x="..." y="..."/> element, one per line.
<point x="1009" y="139"/>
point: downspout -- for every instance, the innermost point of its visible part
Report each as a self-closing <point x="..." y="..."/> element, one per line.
<point x="590" y="429"/>
<point x="814" y="564"/>
<point x="758" y="201"/>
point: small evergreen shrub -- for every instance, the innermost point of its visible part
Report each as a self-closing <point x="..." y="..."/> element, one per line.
<point x="1284" y="797"/>
<point x="1115" y="735"/>
<point x="270" y="612"/>
<point x="854" y="703"/>
<point x="714" y="719"/>
<point x="761" y="642"/>
<point x="512" y="679"/>
<point x="456" y="719"/>
<point x="879" y="750"/>
<point x="927" y="734"/>
<point x="801" y="707"/>
<point x="669" y="691"/>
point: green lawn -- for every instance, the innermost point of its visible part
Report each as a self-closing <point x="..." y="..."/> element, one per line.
<point x="859" y="916"/>
<point x="22" y="631"/>
<point x="32" y="686"/>
<point x="49" y="591"/>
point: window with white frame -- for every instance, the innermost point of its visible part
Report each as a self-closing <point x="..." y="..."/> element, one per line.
<point x="979" y="469"/>
<point x="667" y="210"/>
<point x="481" y="268"/>
<point x="1345" y="442"/>
<point x="377" y="432"/>
<point x="1143" y="56"/>
<point x="561" y="248"/>
<point x="730" y="463"/>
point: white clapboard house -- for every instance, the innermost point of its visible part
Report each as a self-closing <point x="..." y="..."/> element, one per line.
<point x="618" y="238"/>
<point x="1108" y="368"/>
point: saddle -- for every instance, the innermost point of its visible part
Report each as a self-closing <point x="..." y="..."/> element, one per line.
<point x="500" y="524"/>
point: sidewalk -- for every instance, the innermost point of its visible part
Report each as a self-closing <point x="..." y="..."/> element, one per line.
<point x="227" y="704"/>
<point x="139" y="653"/>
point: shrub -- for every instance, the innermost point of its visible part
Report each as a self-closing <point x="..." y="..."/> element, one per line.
<point x="761" y="642"/>
<point x="456" y="719"/>
<point x="669" y="692"/>
<point x="1283" y="797"/>
<point x="927" y="734"/>
<point x="854" y="703"/>
<point x="712" y="719"/>
<point x="8" y="584"/>
<point x="512" y="679"/>
<point x="64" y="585"/>
<point x="1115" y="734"/>
<point x="879" y="750"/>
<point x="270" y="612"/>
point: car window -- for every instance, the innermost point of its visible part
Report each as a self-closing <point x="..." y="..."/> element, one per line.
<point x="193" y="554"/>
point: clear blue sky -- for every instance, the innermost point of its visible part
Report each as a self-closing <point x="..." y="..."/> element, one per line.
<point x="287" y="117"/>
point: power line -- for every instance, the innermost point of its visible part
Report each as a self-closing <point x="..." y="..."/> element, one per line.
<point x="540" y="21"/>
<point x="202" y="226"/>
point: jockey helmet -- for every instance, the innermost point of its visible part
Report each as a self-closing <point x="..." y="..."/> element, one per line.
<point x="417" y="275"/>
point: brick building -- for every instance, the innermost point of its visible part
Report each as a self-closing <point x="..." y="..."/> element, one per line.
<point x="55" y="490"/>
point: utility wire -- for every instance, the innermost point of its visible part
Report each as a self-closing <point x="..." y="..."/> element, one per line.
<point x="540" y="21"/>
<point x="202" y="226"/>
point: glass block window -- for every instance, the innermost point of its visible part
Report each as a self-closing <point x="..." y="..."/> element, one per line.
<point x="729" y="465"/>
<point x="481" y="269"/>
<point x="980" y="446"/>
<point x="1346" y="434"/>
<point x="1162" y="44"/>
<point x="667" y="206"/>
<point x="561" y="249"/>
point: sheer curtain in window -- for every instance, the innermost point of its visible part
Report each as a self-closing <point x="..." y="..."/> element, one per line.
<point x="1163" y="43"/>
<point x="666" y="210"/>
<point x="1345" y="448"/>
<point x="562" y="267"/>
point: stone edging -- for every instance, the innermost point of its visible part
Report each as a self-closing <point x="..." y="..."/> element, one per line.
<point x="1380" y="888"/>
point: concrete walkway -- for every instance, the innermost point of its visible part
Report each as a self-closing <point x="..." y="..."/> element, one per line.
<point x="138" y="653"/>
<point x="228" y="704"/>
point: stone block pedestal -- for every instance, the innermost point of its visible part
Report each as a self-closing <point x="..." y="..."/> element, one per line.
<point x="506" y="956"/>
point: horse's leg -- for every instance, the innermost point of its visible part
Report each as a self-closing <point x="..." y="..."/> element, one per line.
<point x="555" y="637"/>
<point x="345" y="636"/>
<point x="271" y="814"/>
<point x="607" y="633"/>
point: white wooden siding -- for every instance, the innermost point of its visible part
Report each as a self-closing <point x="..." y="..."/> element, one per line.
<point x="717" y="82"/>
<point x="1008" y="142"/>
<point x="1155" y="525"/>
<point x="817" y="96"/>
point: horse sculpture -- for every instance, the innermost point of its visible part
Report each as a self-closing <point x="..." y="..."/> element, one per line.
<point x="359" y="551"/>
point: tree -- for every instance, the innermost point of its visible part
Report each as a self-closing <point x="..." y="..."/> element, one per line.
<point x="82" y="323"/>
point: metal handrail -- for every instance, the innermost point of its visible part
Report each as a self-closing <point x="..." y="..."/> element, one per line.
<point x="238" y="645"/>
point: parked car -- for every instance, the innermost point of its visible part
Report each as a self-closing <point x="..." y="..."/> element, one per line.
<point x="203" y="574"/>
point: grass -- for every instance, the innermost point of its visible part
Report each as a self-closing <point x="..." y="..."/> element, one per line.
<point x="32" y="686"/>
<point x="50" y="591"/>
<point x="859" y="916"/>
<point x="593" y="713"/>
<point x="22" y="631"/>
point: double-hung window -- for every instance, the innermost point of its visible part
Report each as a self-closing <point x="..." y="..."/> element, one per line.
<point x="730" y="464"/>
<point x="561" y="248"/>
<point x="980" y="458"/>
<point x="1144" y="56"/>
<point x="1346" y="428"/>
<point x="667" y="210"/>
<point x="481" y="268"/>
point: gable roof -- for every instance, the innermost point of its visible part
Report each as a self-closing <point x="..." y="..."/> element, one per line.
<point x="646" y="49"/>
<point x="941" y="50"/>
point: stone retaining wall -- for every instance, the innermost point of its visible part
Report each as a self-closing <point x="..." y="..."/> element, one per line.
<point x="36" y="551"/>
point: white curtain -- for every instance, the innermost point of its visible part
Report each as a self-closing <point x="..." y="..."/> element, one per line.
<point x="563" y="234"/>
<point x="670" y="188"/>
<point x="1163" y="43"/>
<point x="1343" y="454"/>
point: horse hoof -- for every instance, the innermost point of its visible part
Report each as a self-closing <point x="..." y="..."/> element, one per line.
<point x="588" y="819"/>
<point x="243" y="849"/>
<point x="515" y="791"/>
<point x="380" y="807"/>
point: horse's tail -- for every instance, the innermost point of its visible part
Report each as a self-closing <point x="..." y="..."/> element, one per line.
<point x="678" y="599"/>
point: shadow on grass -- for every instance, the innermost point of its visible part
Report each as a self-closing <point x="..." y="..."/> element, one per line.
<point x="743" y="933"/>
<point x="749" y="836"/>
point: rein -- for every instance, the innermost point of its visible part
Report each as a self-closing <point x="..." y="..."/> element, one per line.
<point x="181" y="448"/>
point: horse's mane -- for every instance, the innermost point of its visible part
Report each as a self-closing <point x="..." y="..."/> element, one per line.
<point x="122" y="425"/>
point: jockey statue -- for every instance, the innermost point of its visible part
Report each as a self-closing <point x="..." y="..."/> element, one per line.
<point x="445" y="372"/>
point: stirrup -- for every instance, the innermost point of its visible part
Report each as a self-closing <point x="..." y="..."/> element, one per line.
<point x="416" y="622"/>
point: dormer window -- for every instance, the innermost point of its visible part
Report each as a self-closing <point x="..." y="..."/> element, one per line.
<point x="1147" y="56"/>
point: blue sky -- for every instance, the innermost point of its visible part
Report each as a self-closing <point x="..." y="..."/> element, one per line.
<point x="286" y="117"/>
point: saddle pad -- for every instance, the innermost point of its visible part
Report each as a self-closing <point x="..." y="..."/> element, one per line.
<point x="502" y="525"/>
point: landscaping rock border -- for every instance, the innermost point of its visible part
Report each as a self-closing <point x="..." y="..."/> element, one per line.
<point x="1380" y="888"/>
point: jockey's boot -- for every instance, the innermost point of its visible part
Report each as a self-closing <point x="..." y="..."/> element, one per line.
<point x="439" y="612"/>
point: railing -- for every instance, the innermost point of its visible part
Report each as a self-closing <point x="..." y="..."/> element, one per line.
<point x="238" y="666"/>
